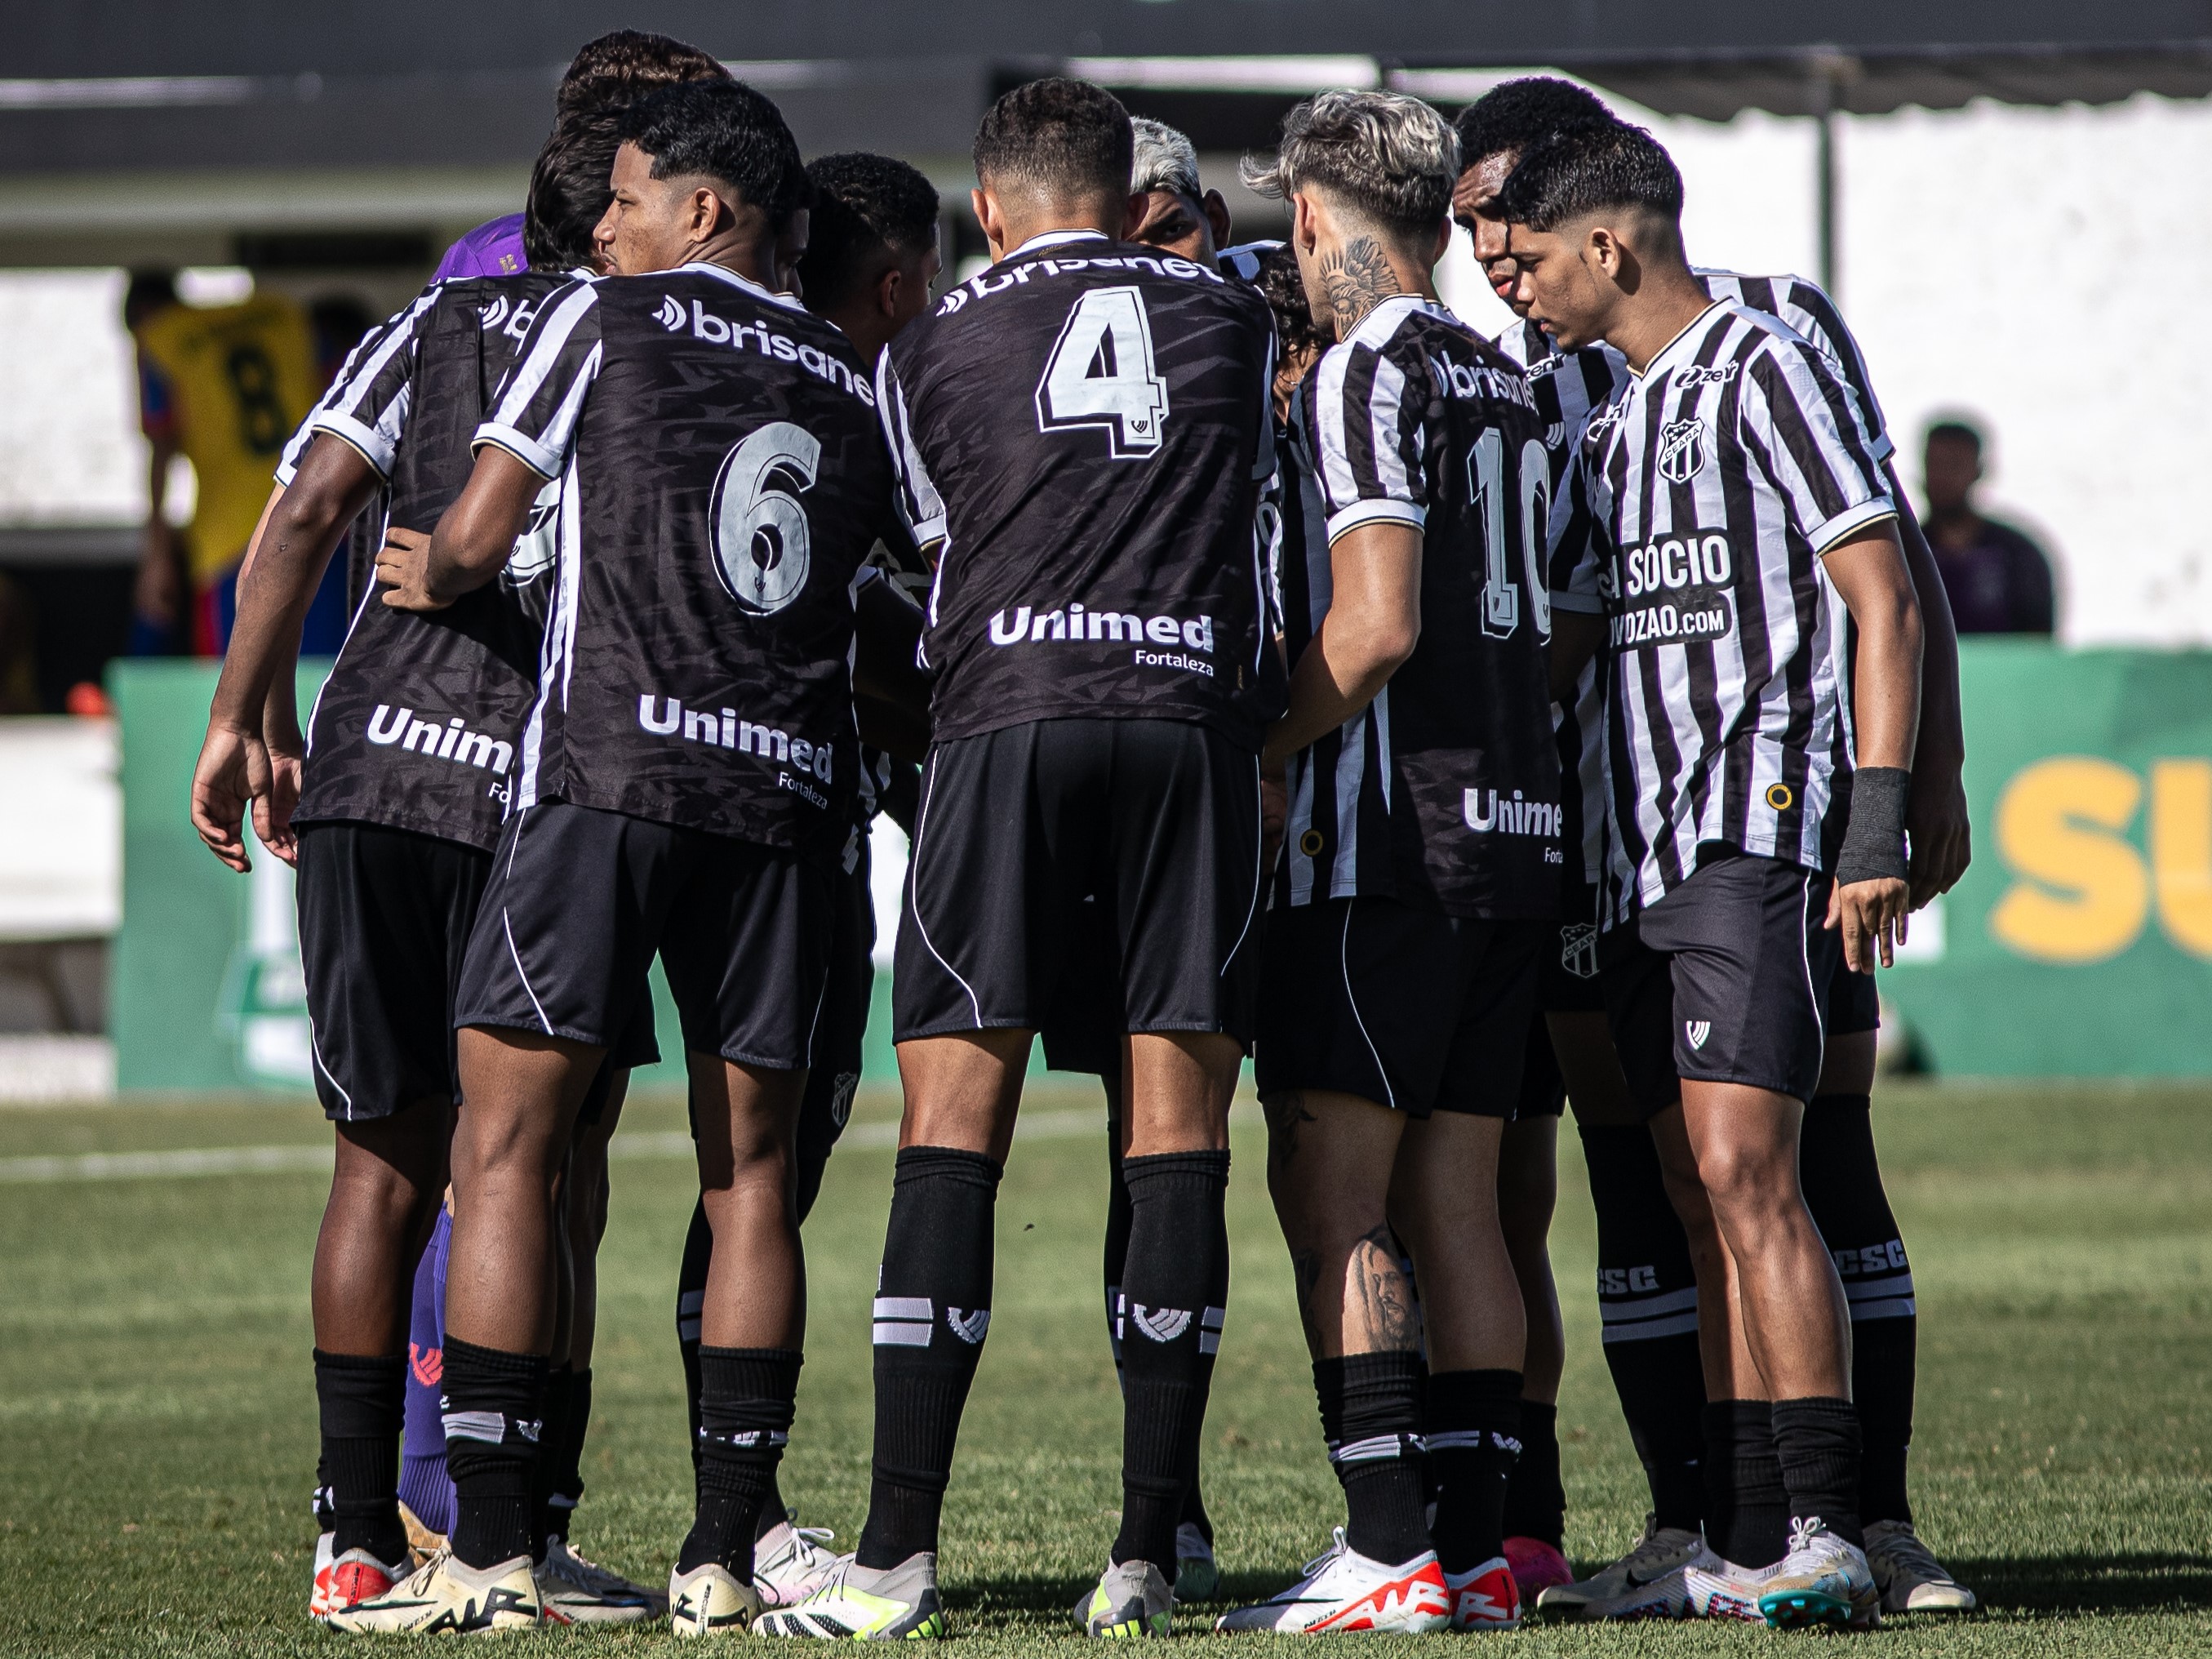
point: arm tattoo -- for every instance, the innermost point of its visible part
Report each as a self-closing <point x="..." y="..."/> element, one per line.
<point x="1357" y="278"/>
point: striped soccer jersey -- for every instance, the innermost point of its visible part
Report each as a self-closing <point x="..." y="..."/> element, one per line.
<point x="1805" y="306"/>
<point x="1569" y="387"/>
<point x="1445" y="792"/>
<point x="1717" y="482"/>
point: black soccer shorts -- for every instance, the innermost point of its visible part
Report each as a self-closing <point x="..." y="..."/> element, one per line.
<point x="1157" y="821"/>
<point x="1415" y="1009"/>
<point x="1854" y="1005"/>
<point x="1723" y="980"/>
<point x="1543" y="1085"/>
<point x="581" y="899"/>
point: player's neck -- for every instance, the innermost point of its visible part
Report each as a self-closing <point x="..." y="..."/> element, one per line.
<point x="748" y="251"/>
<point x="1021" y="221"/>
<point x="1360" y="272"/>
<point x="1648" y="321"/>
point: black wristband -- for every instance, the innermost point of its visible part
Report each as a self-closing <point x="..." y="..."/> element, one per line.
<point x="1873" y="843"/>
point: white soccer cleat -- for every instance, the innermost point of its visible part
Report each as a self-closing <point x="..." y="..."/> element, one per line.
<point x="1822" y="1581"/>
<point x="1619" y="1591"/>
<point x="1132" y="1600"/>
<point x="1910" y="1579"/>
<point x="1341" y="1589"/>
<point x="789" y="1563"/>
<point x="865" y="1604"/>
<point x="446" y="1597"/>
<point x="711" y="1600"/>
<point x="343" y="1581"/>
<point x="578" y="1591"/>
<point x="1715" y="1588"/>
<point x="1487" y="1598"/>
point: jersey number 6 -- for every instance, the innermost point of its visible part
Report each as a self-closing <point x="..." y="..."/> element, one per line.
<point x="1487" y="483"/>
<point x="1101" y="374"/>
<point x="761" y="548"/>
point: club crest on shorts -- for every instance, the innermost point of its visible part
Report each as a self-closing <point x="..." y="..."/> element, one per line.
<point x="970" y="1325"/>
<point x="1578" y="949"/>
<point x="1696" y="1031"/>
<point x="1682" y="449"/>
<point x="1161" y="1324"/>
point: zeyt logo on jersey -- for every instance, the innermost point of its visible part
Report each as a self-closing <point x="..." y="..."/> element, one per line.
<point x="1683" y="450"/>
<point x="1075" y="623"/>
<point x="1487" y="812"/>
<point x="724" y="729"/>
<point x="450" y="742"/>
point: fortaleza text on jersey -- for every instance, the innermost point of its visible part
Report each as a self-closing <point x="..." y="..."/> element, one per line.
<point x="722" y="729"/>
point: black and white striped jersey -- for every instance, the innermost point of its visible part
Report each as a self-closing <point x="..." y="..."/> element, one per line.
<point x="1445" y="792"/>
<point x="722" y="478"/>
<point x="1806" y="308"/>
<point x="418" y="726"/>
<point x="1569" y="387"/>
<point x="1082" y="430"/>
<point x="1716" y="480"/>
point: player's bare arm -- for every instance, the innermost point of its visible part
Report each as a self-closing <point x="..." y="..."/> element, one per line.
<point x="1935" y="822"/>
<point x="299" y="533"/>
<point x="1869" y="573"/>
<point x="1374" y="623"/>
<point x="474" y="539"/>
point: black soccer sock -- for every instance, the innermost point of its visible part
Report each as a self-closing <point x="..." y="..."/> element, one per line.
<point x="691" y="1305"/>
<point x="1535" y="1496"/>
<point x="1173" y="1291"/>
<point x="362" y="1400"/>
<point x="746" y="1401"/>
<point x="1116" y="1252"/>
<point x="1818" y="1441"/>
<point x="1648" y="1295"/>
<point x="493" y="1407"/>
<point x="560" y="1385"/>
<point x="1473" y="1436"/>
<point x="932" y="1309"/>
<point x="568" y="1480"/>
<point x="1376" y="1451"/>
<point x="1746" y="1509"/>
<point x="1843" y="1187"/>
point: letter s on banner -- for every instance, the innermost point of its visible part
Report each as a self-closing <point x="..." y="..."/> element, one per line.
<point x="2181" y="851"/>
<point x="2085" y="892"/>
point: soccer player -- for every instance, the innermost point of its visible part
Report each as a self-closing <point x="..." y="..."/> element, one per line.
<point x="683" y="788"/>
<point x="1744" y="532"/>
<point x="1081" y="431"/>
<point x="1650" y="1269"/>
<point x="415" y="735"/>
<point x="1180" y="215"/>
<point x="870" y="256"/>
<point x="1418" y="876"/>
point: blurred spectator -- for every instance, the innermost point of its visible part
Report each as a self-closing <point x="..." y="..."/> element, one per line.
<point x="224" y="387"/>
<point x="1997" y="578"/>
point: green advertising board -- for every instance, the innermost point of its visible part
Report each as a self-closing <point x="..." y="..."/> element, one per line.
<point x="2079" y="944"/>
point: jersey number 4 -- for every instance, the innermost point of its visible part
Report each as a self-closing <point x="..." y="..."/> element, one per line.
<point x="1101" y="374"/>
<point x="1487" y="484"/>
<point x="763" y="547"/>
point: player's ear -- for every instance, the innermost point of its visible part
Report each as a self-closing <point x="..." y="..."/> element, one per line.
<point x="1216" y="216"/>
<point x="1305" y="222"/>
<point x="986" y="208"/>
<point x="1441" y="243"/>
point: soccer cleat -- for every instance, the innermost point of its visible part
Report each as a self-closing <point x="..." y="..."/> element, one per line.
<point x="1714" y="1589"/>
<point x="1910" y="1578"/>
<point x="711" y="1600"/>
<point x="1487" y="1598"/>
<point x="448" y="1597"/>
<point x="1197" y="1577"/>
<point x="342" y="1581"/>
<point x="420" y="1539"/>
<point x="1658" y="1553"/>
<point x="1131" y="1599"/>
<point x="861" y="1604"/>
<point x="789" y="1563"/>
<point x="578" y="1591"/>
<point x="1341" y="1589"/>
<point x="1822" y="1581"/>
<point x="1537" y="1566"/>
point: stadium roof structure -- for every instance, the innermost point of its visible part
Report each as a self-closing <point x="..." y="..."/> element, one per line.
<point x="248" y="130"/>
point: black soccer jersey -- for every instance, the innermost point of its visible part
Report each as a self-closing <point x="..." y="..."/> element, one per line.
<point x="1717" y="482"/>
<point x="1082" y="429"/>
<point x="1569" y="387"/>
<point x="1445" y="792"/>
<point x="722" y="478"/>
<point x="418" y="724"/>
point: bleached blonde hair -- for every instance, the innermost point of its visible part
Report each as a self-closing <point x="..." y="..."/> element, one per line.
<point x="1387" y="156"/>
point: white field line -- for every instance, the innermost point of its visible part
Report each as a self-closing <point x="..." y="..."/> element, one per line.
<point x="270" y="1160"/>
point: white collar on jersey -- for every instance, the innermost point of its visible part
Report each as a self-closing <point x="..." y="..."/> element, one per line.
<point x="1695" y="325"/>
<point x="1054" y="238"/>
<point x="744" y="283"/>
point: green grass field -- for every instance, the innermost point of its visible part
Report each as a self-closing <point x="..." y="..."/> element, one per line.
<point x="157" y="1418"/>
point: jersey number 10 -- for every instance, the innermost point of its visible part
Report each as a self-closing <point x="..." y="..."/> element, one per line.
<point x="1101" y="374"/>
<point x="1486" y="483"/>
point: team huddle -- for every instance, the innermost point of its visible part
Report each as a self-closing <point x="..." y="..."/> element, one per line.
<point x="1455" y="726"/>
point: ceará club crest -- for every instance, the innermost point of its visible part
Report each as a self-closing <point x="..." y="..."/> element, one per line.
<point x="1683" y="450"/>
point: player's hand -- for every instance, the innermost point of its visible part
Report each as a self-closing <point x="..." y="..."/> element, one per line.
<point x="273" y="811"/>
<point x="403" y="565"/>
<point x="1941" y="838"/>
<point x="1872" y="914"/>
<point x="232" y="772"/>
